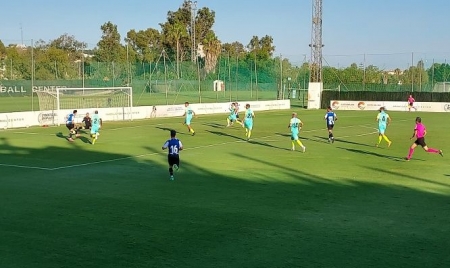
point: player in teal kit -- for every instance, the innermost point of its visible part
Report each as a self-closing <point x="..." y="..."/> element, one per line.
<point x="232" y="117"/>
<point x="96" y="125"/>
<point x="295" y="125"/>
<point x="189" y="113"/>
<point x="248" y="121"/>
<point x="383" y="120"/>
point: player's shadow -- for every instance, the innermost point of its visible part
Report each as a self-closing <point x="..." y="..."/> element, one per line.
<point x="344" y="141"/>
<point x="282" y="134"/>
<point x="83" y="131"/>
<point x="213" y="125"/>
<point x="170" y="129"/>
<point x="84" y="139"/>
<point x="265" y="144"/>
<point x="301" y="138"/>
<point x="402" y="175"/>
<point x="314" y="140"/>
<point x="60" y="135"/>
<point x="225" y="135"/>
<point x="393" y="158"/>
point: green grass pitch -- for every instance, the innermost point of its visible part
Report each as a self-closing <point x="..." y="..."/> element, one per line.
<point x="233" y="203"/>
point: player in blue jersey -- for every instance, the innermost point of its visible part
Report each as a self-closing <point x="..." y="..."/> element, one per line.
<point x="96" y="125"/>
<point x="248" y="121"/>
<point x="232" y="116"/>
<point x="189" y="113"/>
<point x="295" y="125"/>
<point x="383" y="120"/>
<point x="174" y="146"/>
<point x="330" y="118"/>
<point x="70" y="124"/>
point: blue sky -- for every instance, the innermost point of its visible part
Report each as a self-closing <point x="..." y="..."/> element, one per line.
<point x="383" y="30"/>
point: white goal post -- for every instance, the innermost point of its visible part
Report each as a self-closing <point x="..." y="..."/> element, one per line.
<point x="58" y="99"/>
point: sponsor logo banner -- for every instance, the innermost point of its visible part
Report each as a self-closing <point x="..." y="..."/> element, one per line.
<point x="389" y="105"/>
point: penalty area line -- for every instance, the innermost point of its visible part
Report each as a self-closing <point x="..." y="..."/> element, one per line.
<point x="144" y="155"/>
<point x="26" y="167"/>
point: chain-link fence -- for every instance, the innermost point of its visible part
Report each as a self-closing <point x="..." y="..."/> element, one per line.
<point x="233" y="78"/>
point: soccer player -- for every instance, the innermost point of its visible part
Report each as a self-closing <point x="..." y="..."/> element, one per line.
<point x="411" y="101"/>
<point x="96" y="125"/>
<point x="248" y="121"/>
<point x="232" y="117"/>
<point x="175" y="146"/>
<point x="70" y="124"/>
<point x="330" y="118"/>
<point x="383" y="120"/>
<point x="87" y="121"/>
<point x="236" y="109"/>
<point x="189" y="113"/>
<point x="419" y="133"/>
<point x="295" y="125"/>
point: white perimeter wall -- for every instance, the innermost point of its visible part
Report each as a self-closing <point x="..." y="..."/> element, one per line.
<point x="39" y="118"/>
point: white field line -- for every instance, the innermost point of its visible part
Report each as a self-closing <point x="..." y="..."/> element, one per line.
<point x="103" y="161"/>
<point x="149" y="154"/>
<point x="188" y="149"/>
<point x="203" y="121"/>
<point x="25" y="167"/>
<point x="192" y="148"/>
<point x="359" y="135"/>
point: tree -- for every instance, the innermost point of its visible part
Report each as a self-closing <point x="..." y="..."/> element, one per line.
<point x="68" y="43"/>
<point x="175" y="33"/>
<point x="212" y="49"/>
<point x="146" y="43"/>
<point x="177" y="20"/>
<point x="204" y="22"/>
<point x="262" y="48"/>
<point x="21" y="62"/>
<point x="439" y="72"/>
<point x="2" y="50"/>
<point x="234" y="49"/>
<point x="109" y="47"/>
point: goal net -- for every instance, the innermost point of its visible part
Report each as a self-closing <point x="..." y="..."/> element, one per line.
<point x="59" y="99"/>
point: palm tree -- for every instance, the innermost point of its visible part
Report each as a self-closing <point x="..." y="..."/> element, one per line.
<point x="176" y="32"/>
<point x="212" y="49"/>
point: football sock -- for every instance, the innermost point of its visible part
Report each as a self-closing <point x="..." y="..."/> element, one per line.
<point x="293" y="145"/>
<point x="191" y="130"/>
<point x="300" y="143"/>
<point x="432" y="150"/>
<point x="171" y="171"/>
<point x="386" y="139"/>
<point x="249" y="133"/>
<point x="379" y="139"/>
<point x="240" y="123"/>
<point x="228" y="121"/>
<point x="411" y="151"/>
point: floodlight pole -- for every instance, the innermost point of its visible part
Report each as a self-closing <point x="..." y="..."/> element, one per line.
<point x="316" y="43"/>
<point x="193" y="8"/>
